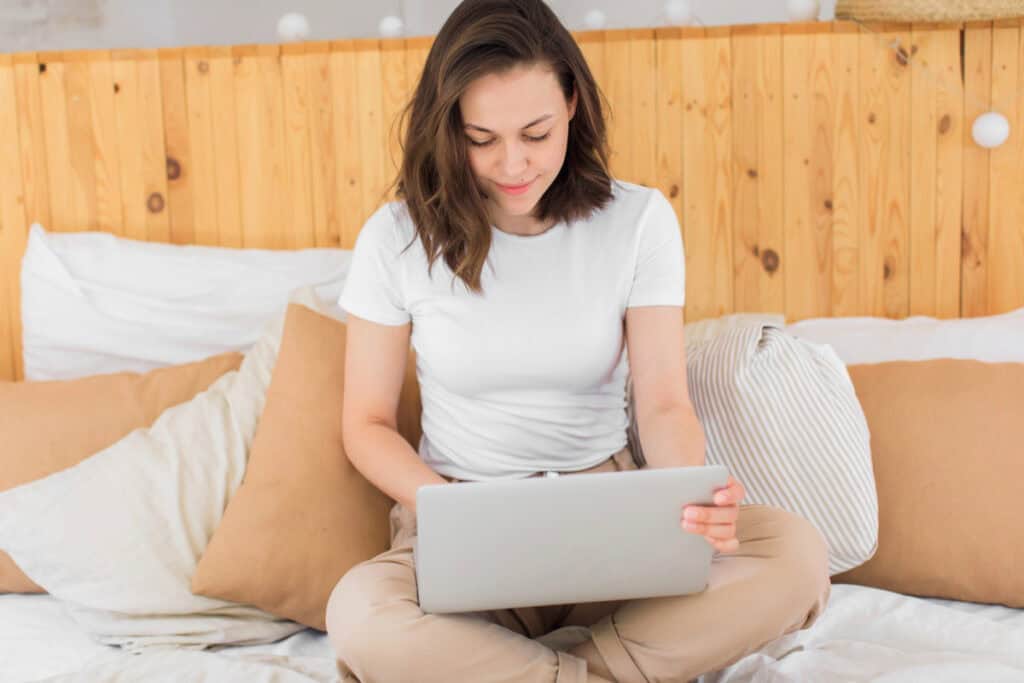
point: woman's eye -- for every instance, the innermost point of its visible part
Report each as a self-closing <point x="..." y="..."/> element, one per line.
<point x="529" y="138"/>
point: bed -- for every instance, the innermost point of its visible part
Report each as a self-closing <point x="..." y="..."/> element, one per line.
<point x="819" y="170"/>
<point x="866" y="634"/>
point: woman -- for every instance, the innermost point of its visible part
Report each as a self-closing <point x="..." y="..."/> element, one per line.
<point x="530" y="284"/>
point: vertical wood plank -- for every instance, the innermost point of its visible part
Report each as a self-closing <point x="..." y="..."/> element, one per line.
<point x="757" y="123"/>
<point x="669" y="118"/>
<point x="618" y="75"/>
<point x="82" y="148"/>
<point x="948" y="173"/>
<point x="345" y="122"/>
<point x="884" y="172"/>
<point x="372" y="137"/>
<point x="138" y="112"/>
<point x="297" y="142"/>
<point x="203" y="169"/>
<point x="977" y="100"/>
<point x="223" y="118"/>
<point x="55" y="125"/>
<point x="809" y="117"/>
<point x="12" y="224"/>
<point x="847" y="125"/>
<point x="128" y="118"/>
<point x="707" y="171"/>
<point x="32" y="138"/>
<point x="1005" y="282"/>
<point x="180" y="185"/>
<point x="326" y="207"/>
<point x="394" y="96"/>
<point x="262" y="175"/>
<point x="106" y="158"/>
<point x="154" y="147"/>
<point x="937" y="104"/>
<point x="643" y="100"/>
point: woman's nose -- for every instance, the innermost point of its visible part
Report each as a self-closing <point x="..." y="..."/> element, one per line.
<point x="514" y="160"/>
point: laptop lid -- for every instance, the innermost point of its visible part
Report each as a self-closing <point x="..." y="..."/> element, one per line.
<point x="561" y="540"/>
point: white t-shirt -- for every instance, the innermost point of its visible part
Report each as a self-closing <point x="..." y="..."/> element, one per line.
<point x="529" y="376"/>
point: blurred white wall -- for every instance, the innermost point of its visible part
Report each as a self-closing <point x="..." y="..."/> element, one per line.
<point x="77" y="24"/>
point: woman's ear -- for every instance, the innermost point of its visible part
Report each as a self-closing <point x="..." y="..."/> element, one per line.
<point x="572" y="103"/>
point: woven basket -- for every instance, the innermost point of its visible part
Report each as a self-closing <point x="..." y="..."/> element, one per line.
<point x="928" y="10"/>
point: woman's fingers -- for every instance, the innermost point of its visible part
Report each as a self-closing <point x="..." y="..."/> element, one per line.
<point x="710" y="515"/>
<point x="732" y="494"/>
<point x="717" y="522"/>
<point x="711" y="531"/>
<point x="728" y="546"/>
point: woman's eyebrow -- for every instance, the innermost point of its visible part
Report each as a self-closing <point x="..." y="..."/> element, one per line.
<point x="531" y="124"/>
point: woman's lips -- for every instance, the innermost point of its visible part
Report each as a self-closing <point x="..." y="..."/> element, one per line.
<point x="514" y="189"/>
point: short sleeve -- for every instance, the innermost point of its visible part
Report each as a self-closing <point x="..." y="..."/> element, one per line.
<point x="659" y="274"/>
<point x="373" y="288"/>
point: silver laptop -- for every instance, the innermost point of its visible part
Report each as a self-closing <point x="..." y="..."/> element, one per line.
<point x="561" y="540"/>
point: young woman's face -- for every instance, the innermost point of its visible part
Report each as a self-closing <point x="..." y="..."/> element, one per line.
<point x="517" y="125"/>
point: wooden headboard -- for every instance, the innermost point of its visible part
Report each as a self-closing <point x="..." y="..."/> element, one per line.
<point x="817" y="169"/>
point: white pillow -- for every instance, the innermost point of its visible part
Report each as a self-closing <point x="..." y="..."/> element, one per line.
<point x="95" y="303"/>
<point x="858" y="340"/>
<point x="118" y="536"/>
<point x="703" y="330"/>
<point x="782" y="415"/>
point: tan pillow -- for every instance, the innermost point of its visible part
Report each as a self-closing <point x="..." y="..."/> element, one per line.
<point x="947" y="440"/>
<point x="51" y="426"/>
<point x="303" y="515"/>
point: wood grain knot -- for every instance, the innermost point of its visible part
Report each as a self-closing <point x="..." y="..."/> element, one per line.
<point x="117" y="88"/>
<point x="770" y="260"/>
<point x="872" y="118"/>
<point x="752" y="172"/>
<point x="173" y="168"/>
<point x="673" y="191"/>
<point x="155" y="202"/>
<point x="945" y="123"/>
<point x="828" y="204"/>
<point x="42" y="68"/>
<point x="902" y="56"/>
<point x="203" y="66"/>
<point x="886" y="271"/>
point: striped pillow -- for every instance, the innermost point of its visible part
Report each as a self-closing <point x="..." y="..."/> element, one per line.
<point x="781" y="413"/>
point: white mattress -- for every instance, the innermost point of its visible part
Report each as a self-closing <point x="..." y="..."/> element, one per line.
<point x="864" y="635"/>
<point x="38" y="641"/>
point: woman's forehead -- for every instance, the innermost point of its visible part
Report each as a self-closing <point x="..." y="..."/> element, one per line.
<point x="512" y="99"/>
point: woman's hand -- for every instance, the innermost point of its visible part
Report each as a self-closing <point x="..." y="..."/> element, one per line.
<point x="717" y="523"/>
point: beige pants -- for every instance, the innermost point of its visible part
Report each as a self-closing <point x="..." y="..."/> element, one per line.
<point x="777" y="582"/>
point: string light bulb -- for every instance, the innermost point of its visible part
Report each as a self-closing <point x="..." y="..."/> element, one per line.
<point x="391" y="26"/>
<point x="990" y="130"/>
<point x="595" y="19"/>
<point x="292" y="27"/>
<point x="803" y="10"/>
<point x="679" y="12"/>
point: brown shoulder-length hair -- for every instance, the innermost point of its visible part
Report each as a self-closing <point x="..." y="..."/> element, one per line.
<point x="443" y="199"/>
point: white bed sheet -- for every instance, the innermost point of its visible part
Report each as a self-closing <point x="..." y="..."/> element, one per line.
<point x="867" y="634"/>
<point x="39" y="641"/>
<point x="864" y="635"/>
